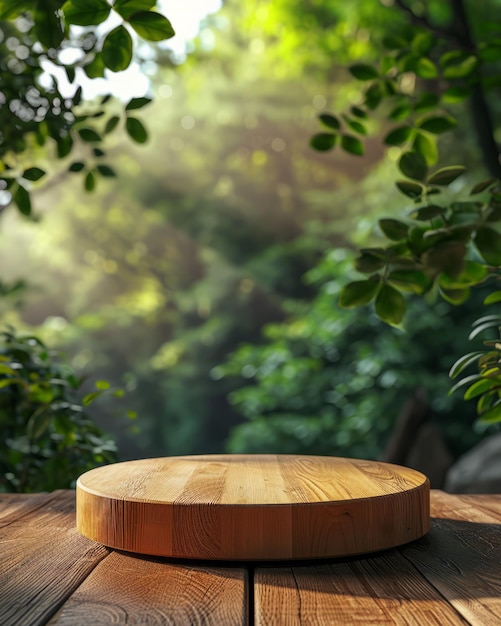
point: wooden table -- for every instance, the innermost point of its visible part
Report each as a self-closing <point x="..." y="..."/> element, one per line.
<point x="49" y="574"/>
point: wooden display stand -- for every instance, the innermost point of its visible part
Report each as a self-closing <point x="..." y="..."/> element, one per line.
<point x="252" y="507"/>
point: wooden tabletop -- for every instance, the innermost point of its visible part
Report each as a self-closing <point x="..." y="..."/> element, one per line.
<point x="49" y="574"/>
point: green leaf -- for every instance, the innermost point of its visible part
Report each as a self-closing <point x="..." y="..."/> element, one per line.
<point x="96" y="68"/>
<point x="126" y="8"/>
<point x="86" y="12"/>
<point x="89" y="135"/>
<point x="400" y="112"/>
<point x="463" y="362"/>
<point x="13" y="8"/>
<point x="486" y="401"/>
<point x="38" y="424"/>
<point x="352" y="145"/>
<point x="410" y="189"/>
<point x="90" y="397"/>
<point x="481" y="327"/>
<point x="117" y="49"/>
<point x="473" y="274"/>
<point x="330" y="121"/>
<point x="394" y="229"/>
<point x="373" y="96"/>
<point x="359" y="293"/>
<point x="413" y="165"/>
<point x="102" y="385"/>
<point x="136" y="130"/>
<point x="111" y="124"/>
<point x="455" y="296"/>
<point x="369" y="261"/>
<point x="428" y="212"/>
<point x="106" y="171"/>
<point x="488" y="318"/>
<point x="398" y="136"/>
<point x="465" y="381"/>
<point x="446" y="175"/>
<point x="33" y="173"/>
<point x="362" y="71"/>
<point x="477" y="389"/>
<point x="493" y="298"/>
<point x="461" y="69"/>
<point x="426" y="146"/>
<point x="323" y="141"/>
<point x="482" y="186"/>
<point x="64" y="146"/>
<point x="425" y="68"/>
<point x="76" y="166"/>
<point x="437" y="124"/>
<point x="138" y="103"/>
<point x="457" y="93"/>
<point x="22" y="199"/>
<point x="48" y="27"/>
<point x="358" y="112"/>
<point x="356" y="126"/>
<point x="390" y="305"/>
<point x="491" y="416"/>
<point x="410" y="280"/>
<point x="151" y="26"/>
<point x="488" y="243"/>
<point x="90" y="182"/>
<point x="423" y="43"/>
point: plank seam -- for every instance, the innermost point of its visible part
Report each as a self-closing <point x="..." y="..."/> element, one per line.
<point x="251" y="611"/>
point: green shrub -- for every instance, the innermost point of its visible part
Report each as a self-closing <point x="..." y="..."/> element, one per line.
<point x="48" y="438"/>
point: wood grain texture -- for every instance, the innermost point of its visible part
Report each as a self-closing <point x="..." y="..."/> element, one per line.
<point x="252" y="507"/>
<point x="381" y="590"/>
<point x="13" y="506"/>
<point x="461" y="557"/>
<point x="490" y="504"/>
<point x="126" y="589"/>
<point x="42" y="560"/>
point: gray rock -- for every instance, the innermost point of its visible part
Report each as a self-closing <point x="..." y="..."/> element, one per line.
<point x="477" y="471"/>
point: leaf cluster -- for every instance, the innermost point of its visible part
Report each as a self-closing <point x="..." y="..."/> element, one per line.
<point x="34" y="114"/>
<point x="440" y="247"/>
<point x="485" y="385"/>
<point x="48" y="438"/>
<point x="419" y="115"/>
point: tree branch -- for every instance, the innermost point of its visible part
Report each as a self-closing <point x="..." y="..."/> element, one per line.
<point x="424" y="22"/>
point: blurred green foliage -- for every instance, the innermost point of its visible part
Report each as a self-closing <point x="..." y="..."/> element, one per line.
<point x="206" y="235"/>
<point x="332" y="381"/>
<point x="48" y="437"/>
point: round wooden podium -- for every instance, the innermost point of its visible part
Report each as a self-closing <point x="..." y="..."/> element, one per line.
<point x="252" y="507"/>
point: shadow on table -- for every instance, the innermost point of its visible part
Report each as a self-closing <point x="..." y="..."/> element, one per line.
<point x="456" y="557"/>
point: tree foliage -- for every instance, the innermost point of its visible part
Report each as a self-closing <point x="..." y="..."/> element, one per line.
<point x="48" y="437"/>
<point x="43" y="46"/>
<point x="445" y="246"/>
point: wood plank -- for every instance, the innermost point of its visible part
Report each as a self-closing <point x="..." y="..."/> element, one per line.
<point x="127" y="589"/>
<point x="490" y="503"/>
<point x="461" y="557"/>
<point x="42" y="561"/>
<point x="15" y="505"/>
<point x="380" y="590"/>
